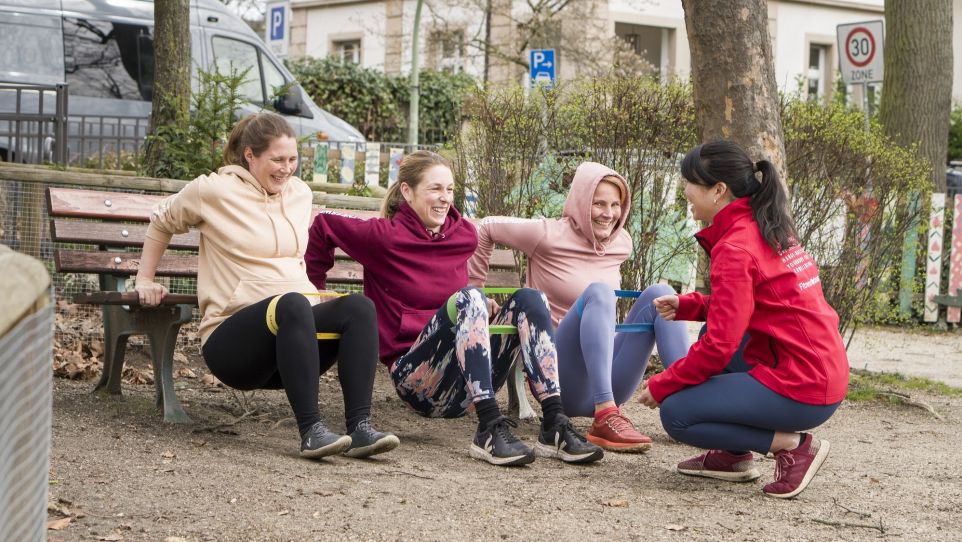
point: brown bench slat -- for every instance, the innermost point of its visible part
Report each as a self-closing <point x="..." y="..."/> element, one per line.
<point x="170" y="265"/>
<point x="93" y="204"/>
<point x="112" y="234"/>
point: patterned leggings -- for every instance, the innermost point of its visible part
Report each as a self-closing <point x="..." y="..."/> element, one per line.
<point x="454" y="364"/>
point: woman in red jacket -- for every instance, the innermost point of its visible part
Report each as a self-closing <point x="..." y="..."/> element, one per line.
<point x="763" y="283"/>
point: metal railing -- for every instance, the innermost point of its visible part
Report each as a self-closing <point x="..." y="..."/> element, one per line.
<point x="32" y="119"/>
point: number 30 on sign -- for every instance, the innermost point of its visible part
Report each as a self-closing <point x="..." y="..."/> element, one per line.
<point x="860" y="52"/>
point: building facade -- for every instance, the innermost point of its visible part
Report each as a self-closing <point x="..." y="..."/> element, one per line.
<point x="588" y="38"/>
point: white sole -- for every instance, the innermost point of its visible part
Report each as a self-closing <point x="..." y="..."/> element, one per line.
<point x="333" y="448"/>
<point x="385" y="444"/>
<point x="544" y="450"/>
<point x="478" y="452"/>
<point x="746" y="476"/>
<point x="820" y="457"/>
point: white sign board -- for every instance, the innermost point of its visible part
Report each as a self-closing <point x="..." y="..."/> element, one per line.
<point x="860" y="52"/>
<point x="277" y="27"/>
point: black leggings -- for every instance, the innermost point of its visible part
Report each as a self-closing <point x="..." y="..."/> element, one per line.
<point x="244" y="354"/>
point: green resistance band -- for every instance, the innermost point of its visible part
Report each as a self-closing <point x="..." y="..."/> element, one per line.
<point x="493" y="330"/>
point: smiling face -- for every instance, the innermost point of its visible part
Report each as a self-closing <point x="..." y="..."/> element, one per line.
<point x="274" y="167"/>
<point x="706" y="201"/>
<point x="431" y="198"/>
<point x="605" y="209"/>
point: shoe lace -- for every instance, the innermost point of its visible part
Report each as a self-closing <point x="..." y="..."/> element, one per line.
<point x="620" y="424"/>
<point x="500" y="426"/>
<point x="364" y="425"/>
<point x="783" y="461"/>
<point x="565" y="428"/>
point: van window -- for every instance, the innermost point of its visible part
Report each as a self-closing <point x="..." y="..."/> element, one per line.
<point x="238" y="55"/>
<point x="108" y="60"/>
<point x="31" y="50"/>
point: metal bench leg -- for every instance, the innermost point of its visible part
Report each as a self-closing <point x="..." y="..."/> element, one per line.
<point x="517" y="398"/>
<point x="116" y="332"/>
<point x="161" y="329"/>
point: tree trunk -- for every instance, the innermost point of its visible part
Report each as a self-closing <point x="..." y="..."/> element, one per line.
<point x="733" y="76"/>
<point x="917" y="91"/>
<point x="171" y="93"/>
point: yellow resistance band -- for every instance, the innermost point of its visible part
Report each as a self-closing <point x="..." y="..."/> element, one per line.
<point x="272" y="317"/>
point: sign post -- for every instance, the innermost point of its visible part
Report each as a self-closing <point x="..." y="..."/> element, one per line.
<point x="542" y="66"/>
<point x="278" y="27"/>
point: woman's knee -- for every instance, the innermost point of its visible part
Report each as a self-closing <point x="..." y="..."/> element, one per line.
<point x="597" y="294"/>
<point x="657" y="290"/>
<point x="293" y="307"/>
<point x="672" y="418"/>
<point x="529" y="299"/>
<point x="358" y="306"/>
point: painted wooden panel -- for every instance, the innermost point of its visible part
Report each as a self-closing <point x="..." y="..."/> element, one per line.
<point x="954" y="314"/>
<point x="933" y="261"/>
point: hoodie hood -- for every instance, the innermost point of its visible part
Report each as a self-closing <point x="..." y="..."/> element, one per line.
<point x="578" y="205"/>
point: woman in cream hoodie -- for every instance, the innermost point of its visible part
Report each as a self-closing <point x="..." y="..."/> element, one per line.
<point x="258" y="328"/>
<point x="576" y="261"/>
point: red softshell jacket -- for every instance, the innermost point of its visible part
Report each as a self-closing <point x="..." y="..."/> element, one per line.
<point x="795" y="347"/>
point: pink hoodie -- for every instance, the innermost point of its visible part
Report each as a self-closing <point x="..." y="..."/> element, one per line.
<point x="563" y="255"/>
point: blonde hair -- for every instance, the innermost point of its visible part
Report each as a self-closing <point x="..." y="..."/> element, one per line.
<point x="256" y="131"/>
<point x="411" y="173"/>
<point x="611" y="179"/>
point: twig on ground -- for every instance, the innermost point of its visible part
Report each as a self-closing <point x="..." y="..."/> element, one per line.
<point x="277" y="424"/>
<point x="726" y="527"/>
<point x="907" y="399"/>
<point x="880" y="528"/>
<point x="409" y="474"/>
<point x="235" y="421"/>
<point x="847" y="509"/>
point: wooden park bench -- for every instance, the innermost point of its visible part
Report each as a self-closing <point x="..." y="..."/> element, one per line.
<point x="108" y="224"/>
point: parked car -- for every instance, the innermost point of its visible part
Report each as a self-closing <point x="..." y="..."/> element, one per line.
<point x="953" y="179"/>
<point x="104" y="51"/>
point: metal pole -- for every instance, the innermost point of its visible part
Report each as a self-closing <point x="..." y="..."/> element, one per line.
<point x="415" y="83"/>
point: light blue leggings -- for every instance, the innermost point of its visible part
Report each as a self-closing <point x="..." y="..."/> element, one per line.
<point x="595" y="364"/>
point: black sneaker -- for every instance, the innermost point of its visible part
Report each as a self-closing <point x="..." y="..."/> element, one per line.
<point x="497" y="445"/>
<point x="319" y="441"/>
<point x="367" y="441"/>
<point x="562" y="441"/>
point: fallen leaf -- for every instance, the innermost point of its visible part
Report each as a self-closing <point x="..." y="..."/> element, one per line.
<point x="175" y="539"/>
<point x="323" y="493"/>
<point x="283" y="512"/>
<point x="210" y="380"/>
<point x="316" y="515"/>
<point x="58" y="524"/>
<point x="185" y="372"/>
<point x="616" y="503"/>
<point x="674" y="527"/>
<point x="168" y="455"/>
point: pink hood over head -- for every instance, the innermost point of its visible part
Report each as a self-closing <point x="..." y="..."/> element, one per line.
<point x="578" y="205"/>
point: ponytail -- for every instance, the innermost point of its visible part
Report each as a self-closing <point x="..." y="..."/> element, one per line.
<point x="392" y="201"/>
<point x="770" y="208"/>
<point x="726" y="161"/>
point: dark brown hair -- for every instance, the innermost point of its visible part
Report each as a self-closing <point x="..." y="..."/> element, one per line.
<point x="726" y="161"/>
<point x="411" y="172"/>
<point x="256" y="131"/>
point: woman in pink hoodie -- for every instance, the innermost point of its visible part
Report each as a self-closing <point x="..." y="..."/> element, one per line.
<point x="576" y="261"/>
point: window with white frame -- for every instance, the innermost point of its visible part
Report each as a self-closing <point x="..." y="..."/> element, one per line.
<point x="447" y="50"/>
<point x="817" y="76"/>
<point x="347" y="50"/>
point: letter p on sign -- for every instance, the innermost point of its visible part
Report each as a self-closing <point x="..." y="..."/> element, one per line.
<point x="277" y="34"/>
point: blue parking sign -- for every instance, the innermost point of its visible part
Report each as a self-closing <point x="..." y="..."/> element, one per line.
<point x="276" y="22"/>
<point x="542" y="67"/>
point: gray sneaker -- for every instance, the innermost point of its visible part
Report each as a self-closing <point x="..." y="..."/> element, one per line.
<point x="319" y="441"/>
<point x="367" y="441"/>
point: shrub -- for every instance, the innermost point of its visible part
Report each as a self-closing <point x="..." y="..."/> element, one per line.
<point x="955" y="133"/>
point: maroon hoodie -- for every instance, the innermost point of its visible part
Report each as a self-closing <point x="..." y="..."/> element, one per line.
<point x="409" y="272"/>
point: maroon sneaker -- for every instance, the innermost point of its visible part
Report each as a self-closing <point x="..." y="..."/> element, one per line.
<point x="721" y="465"/>
<point x="795" y="468"/>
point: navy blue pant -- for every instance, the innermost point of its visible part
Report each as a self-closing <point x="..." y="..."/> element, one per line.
<point x="733" y="411"/>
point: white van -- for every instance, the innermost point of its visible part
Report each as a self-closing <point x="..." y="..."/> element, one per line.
<point x="103" y="50"/>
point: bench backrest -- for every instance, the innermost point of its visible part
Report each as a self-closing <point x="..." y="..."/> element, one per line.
<point x="116" y="220"/>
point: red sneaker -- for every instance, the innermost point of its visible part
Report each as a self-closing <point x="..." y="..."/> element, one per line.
<point x="616" y="433"/>
<point x="795" y="468"/>
<point x="721" y="465"/>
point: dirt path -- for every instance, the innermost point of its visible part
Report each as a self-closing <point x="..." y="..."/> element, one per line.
<point x="893" y="474"/>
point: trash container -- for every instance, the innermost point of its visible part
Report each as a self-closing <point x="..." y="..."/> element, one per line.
<point x="26" y="395"/>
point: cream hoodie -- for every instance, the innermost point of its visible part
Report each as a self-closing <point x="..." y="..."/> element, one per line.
<point x="251" y="243"/>
<point x="563" y="255"/>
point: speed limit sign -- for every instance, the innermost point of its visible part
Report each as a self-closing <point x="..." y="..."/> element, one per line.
<point x="860" y="52"/>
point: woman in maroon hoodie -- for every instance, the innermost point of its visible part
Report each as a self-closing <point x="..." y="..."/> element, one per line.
<point x="763" y="283"/>
<point x="415" y="271"/>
